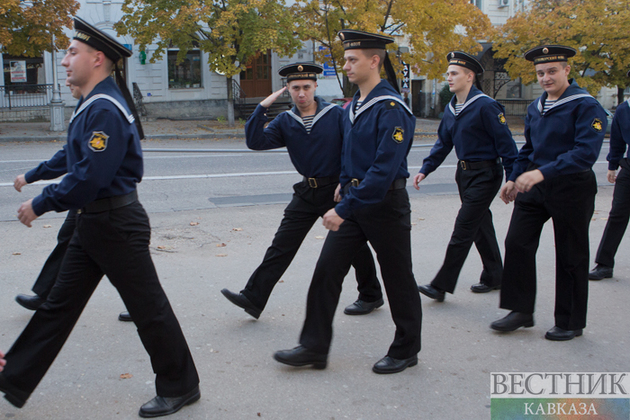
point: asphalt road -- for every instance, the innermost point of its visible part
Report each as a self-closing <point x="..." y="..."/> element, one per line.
<point x="203" y="174"/>
<point x="203" y="242"/>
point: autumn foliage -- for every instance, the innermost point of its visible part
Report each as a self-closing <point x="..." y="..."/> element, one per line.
<point x="597" y="29"/>
<point x="27" y="28"/>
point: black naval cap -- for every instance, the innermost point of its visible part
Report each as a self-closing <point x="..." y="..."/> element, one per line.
<point x="99" y="40"/>
<point x="301" y="71"/>
<point x="462" y="59"/>
<point x="549" y="54"/>
<point x="353" y="40"/>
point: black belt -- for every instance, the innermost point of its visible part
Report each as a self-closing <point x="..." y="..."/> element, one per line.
<point x="321" y="182"/>
<point x="478" y="165"/>
<point x="398" y="184"/>
<point x="110" y="203"/>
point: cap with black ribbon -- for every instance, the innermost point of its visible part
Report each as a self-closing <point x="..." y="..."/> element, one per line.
<point x="301" y="71"/>
<point x="113" y="50"/>
<point x="549" y="54"/>
<point x="460" y="58"/>
<point x="360" y="40"/>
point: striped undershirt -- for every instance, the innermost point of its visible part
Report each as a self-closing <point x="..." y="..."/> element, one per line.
<point x="548" y="104"/>
<point x="358" y="105"/>
<point x="308" y="122"/>
<point x="458" y="108"/>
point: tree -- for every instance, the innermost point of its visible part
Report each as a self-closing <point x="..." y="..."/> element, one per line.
<point x="231" y="32"/>
<point x="597" y="29"/>
<point x="27" y="28"/>
<point x="433" y="28"/>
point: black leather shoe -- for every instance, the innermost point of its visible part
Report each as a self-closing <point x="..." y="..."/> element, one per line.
<point x="483" y="288"/>
<point x="432" y="292"/>
<point x="241" y="301"/>
<point x="163" y="406"/>
<point x="390" y="365"/>
<point x="361" y="307"/>
<point x="600" y="272"/>
<point x="301" y="356"/>
<point x="513" y="321"/>
<point x="558" y="334"/>
<point x="124" y="317"/>
<point x="12" y="394"/>
<point x="30" y="302"/>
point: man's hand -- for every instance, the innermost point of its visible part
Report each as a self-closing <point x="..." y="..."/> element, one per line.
<point x="611" y="176"/>
<point x="332" y="221"/>
<point x="269" y="100"/>
<point x="26" y="213"/>
<point x="2" y="361"/>
<point x="19" y="182"/>
<point x="508" y="192"/>
<point x="337" y="196"/>
<point x="417" y="180"/>
<point x="528" y="179"/>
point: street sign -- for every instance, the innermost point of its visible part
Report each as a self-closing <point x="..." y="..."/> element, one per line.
<point x="329" y="69"/>
<point x="406" y="83"/>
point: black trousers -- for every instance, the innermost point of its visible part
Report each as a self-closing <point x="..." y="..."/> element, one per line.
<point x="114" y="243"/>
<point x="569" y="200"/>
<point x="617" y="218"/>
<point x="48" y="275"/>
<point x="477" y="188"/>
<point x="387" y="226"/>
<point x="307" y="205"/>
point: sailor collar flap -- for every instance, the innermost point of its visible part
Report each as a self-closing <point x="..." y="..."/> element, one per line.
<point x="320" y="113"/>
<point x="561" y="102"/>
<point x="98" y="96"/>
<point x="365" y="106"/>
<point x="468" y="102"/>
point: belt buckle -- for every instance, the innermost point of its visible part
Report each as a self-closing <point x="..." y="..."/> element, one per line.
<point x="312" y="182"/>
<point x="462" y="163"/>
<point x="354" y="182"/>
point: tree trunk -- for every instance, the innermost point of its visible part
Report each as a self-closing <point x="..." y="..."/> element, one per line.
<point x="230" y="108"/>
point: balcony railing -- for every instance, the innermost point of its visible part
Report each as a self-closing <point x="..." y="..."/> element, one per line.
<point x="515" y="107"/>
<point x="23" y="96"/>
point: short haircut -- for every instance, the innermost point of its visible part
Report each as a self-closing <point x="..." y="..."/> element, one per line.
<point x="370" y="52"/>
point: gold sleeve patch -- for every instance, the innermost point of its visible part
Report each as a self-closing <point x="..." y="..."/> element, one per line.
<point x="597" y="125"/>
<point x="98" y="142"/>
<point x="501" y="118"/>
<point x="397" y="135"/>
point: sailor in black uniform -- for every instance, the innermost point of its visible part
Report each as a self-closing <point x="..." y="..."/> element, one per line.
<point x="475" y="125"/>
<point x="378" y="132"/>
<point x="112" y="234"/>
<point x="552" y="178"/>
<point x="312" y="132"/>
<point x="620" y="211"/>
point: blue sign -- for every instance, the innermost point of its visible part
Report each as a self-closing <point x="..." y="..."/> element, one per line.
<point x="329" y="69"/>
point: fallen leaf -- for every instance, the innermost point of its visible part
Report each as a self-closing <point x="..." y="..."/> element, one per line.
<point x="161" y="247"/>
<point x="17" y="253"/>
<point x="237" y="229"/>
<point x="222" y="255"/>
<point x="194" y="223"/>
<point x="221" y="245"/>
<point x="125" y="375"/>
<point x="47" y="226"/>
<point x="420" y="218"/>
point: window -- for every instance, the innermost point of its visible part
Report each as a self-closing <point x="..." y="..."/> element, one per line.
<point x="185" y="74"/>
<point x="514" y="89"/>
<point x="476" y="3"/>
<point x="22" y="71"/>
